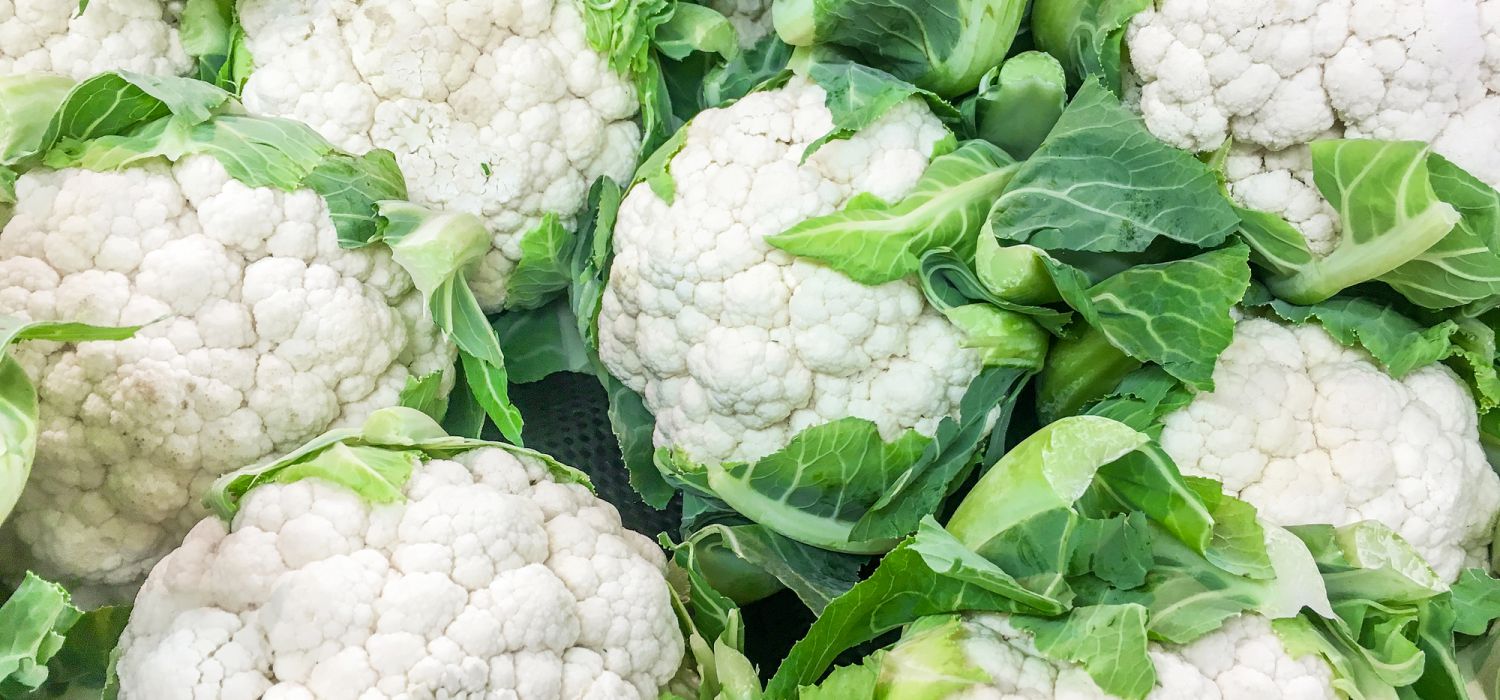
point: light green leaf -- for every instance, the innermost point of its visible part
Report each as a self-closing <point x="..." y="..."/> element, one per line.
<point x="933" y="660"/>
<point x="878" y="244"/>
<point x="543" y="269"/>
<point x="435" y="248"/>
<point x="1018" y="105"/>
<point x="695" y="28"/>
<point x="939" y="45"/>
<point x="847" y="682"/>
<point x="622" y="30"/>
<point x="1016" y="273"/>
<point x="858" y="96"/>
<point x="33" y="622"/>
<point x="1109" y="641"/>
<point x="489" y="385"/>
<point x="425" y="393"/>
<point x="1102" y="183"/>
<point x="1476" y="602"/>
<point x="541" y="342"/>
<point x="1087" y="36"/>
<point x="26" y="102"/>
<point x="353" y="187"/>
<point x="816" y="488"/>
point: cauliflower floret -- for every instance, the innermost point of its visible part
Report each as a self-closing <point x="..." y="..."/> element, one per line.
<point x="491" y="580"/>
<point x="263" y="333"/>
<point x="736" y="346"/>
<point x="50" y="36"/>
<point x="751" y="18"/>
<point x="500" y="109"/>
<point x="1309" y="431"/>
<point x="1275" y="75"/>
<point x="1243" y="660"/>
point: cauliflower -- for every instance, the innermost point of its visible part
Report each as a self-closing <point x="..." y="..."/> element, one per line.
<point x="51" y="36"/>
<point x="490" y="577"/>
<point x="1309" y="431"/>
<point x="751" y="18"/>
<point x="1273" y="76"/>
<point x="265" y="333"/>
<point x="1243" y="660"/>
<point x="500" y="109"/>
<point x="736" y="346"/>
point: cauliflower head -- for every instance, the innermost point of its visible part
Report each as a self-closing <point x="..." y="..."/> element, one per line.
<point x="751" y="18"/>
<point x="263" y="334"/>
<point x="1243" y="660"/>
<point x="500" y="109"/>
<point x="491" y="580"/>
<point x="1309" y="431"/>
<point x="51" y="36"/>
<point x="1274" y="75"/>
<point x="736" y="346"/>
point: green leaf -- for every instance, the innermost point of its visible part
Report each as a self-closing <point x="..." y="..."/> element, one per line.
<point x="1016" y="273"/>
<point x="948" y="283"/>
<point x="1476" y="602"/>
<point x="1102" y="183"/>
<point x="1018" y="105"/>
<point x="936" y="658"/>
<point x="354" y="188"/>
<point x="1173" y="314"/>
<point x="946" y="209"/>
<point x="622" y="30"/>
<point x="85" y="657"/>
<point x="1087" y="36"/>
<point x="655" y="171"/>
<point x="541" y="342"/>
<point x="374" y="460"/>
<point x="543" y="269"/>
<point x="754" y="68"/>
<point x="695" y="28"/>
<point x="847" y="682"/>
<point x="945" y="461"/>
<point x="1398" y="343"/>
<point x="26" y="102"/>
<point x="939" y="45"/>
<point x="209" y="29"/>
<point x="902" y="589"/>
<point x="1109" y="641"/>
<point x="1003" y="338"/>
<point x="816" y="488"/>
<point x="1383" y="192"/>
<point x="817" y="576"/>
<point x="1048" y="470"/>
<point x="33" y="622"/>
<point x="425" y="393"/>
<point x="858" y="96"/>
<point x="1142" y="398"/>
<point x="489" y="385"/>
<point x="1078" y="370"/>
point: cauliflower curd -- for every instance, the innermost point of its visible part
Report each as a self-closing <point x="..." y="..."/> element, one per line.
<point x="1274" y="75"/>
<point x="51" y="36"/>
<point x="492" y="580"/>
<point x="500" y="109"/>
<point x="736" y="346"/>
<point x="263" y="334"/>
<point x="1309" y="431"/>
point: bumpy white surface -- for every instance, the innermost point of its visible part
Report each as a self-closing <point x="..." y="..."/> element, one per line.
<point x="1243" y="660"/>
<point x="269" y="334"/>
<point x="491" y="581"/>
<point x="736" y="346"/>
<point x="1309" y="431"/>
<point x="1277" y="74"/>
<point x="49" y="36"/>
<point x="751" y="18"/>
<point x="453" y="89"/>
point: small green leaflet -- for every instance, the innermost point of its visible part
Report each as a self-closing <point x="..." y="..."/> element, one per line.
<point x="874" y="243"/>
<point x="543" y="269"/>
<point x="858" y="96"/>
<point x="1102" y="183"/>
<point x="1476" y="602"/>
<point x="425" y="394"/>
<point x="33" y="622"/>
<point x="817" y="488"/>
<point x="1088" y="36"/>
<point x="1108" y="640"/>
<point x="1173" y="314"/>
<point x="622" y="30"/>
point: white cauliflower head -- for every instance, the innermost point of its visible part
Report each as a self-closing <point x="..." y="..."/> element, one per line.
<point x="51" y="36"/>
<point x="1243" y="660"/>
<point x="736" y="346"/>
<point x="492" y="580"/>
<point x="263" y="334"/>
<point x="1309" y="431"/>
<point x="751" y="18"/>
<point x="1275" y="75"/>
<point x="500" y="109"/>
